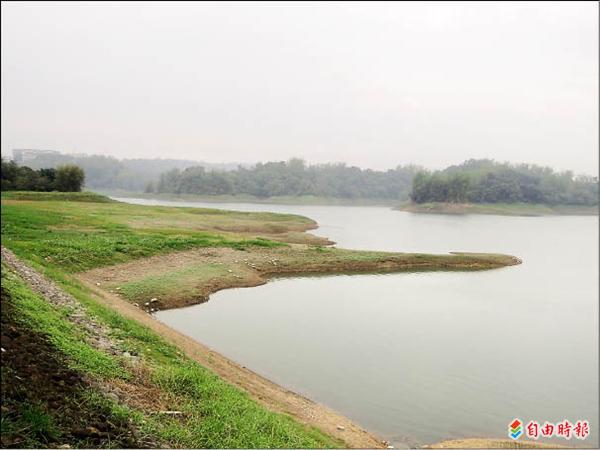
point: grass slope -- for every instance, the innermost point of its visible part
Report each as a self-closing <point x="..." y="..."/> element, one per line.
<point x="214" y="414"/>
<point x="82" y="235"/>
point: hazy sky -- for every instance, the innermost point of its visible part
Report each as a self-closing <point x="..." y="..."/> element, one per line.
<point x="375" y="85"/>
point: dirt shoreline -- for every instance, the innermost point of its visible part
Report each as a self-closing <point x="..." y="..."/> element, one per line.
<point x="250" y="269"/>
<point x="269" y="394"/>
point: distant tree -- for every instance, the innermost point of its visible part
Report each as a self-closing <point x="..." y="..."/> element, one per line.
<point x="27" y="179"/>
<point x="69" y="178"/>
<point x="46" y="180"/>
<point x="150" y="188"/>
<point x="292" y="178"/>
<point x="486" y="181"/>
<point x="9" y="174"/>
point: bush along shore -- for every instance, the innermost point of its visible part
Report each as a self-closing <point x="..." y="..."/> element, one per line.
<point x="80" y="276"/>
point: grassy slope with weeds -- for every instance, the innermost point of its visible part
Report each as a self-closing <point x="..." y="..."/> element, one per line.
<point x="213" y="413"/>
<point x="46" y="399"/>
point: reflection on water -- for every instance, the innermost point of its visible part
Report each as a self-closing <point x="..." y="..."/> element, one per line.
<point x="422" y="357"/>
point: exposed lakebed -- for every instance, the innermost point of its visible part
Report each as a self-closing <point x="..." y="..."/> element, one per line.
<point x="422" y="357"/>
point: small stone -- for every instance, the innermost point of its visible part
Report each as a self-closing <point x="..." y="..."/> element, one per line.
<point x="118" y="288"/>
<point x="2" y="348"/>
<point x="147" y="304"/>
<point x="153" y="300"/>
<point x="229" y="270"/>
<point x="136" y="304"/>
<point x="127" y="354"/>
<point x="64" y="446"/>
<point x="341" y="428"/>
<point x="97" y="284"/>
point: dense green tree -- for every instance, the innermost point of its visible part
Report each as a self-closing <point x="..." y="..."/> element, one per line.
<point x="486" y="181"/>
<point x="69" y="178"/>
<point x="9" y="174"/>
<point x="23" y="178"/>
<point x="292" y="178"/>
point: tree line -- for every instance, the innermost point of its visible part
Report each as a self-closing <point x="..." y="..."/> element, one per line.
<point x="290" y="178"/>
<point x="487" y="181"/>
<point x="67" y="178"/>
<point x="106" y="172"/>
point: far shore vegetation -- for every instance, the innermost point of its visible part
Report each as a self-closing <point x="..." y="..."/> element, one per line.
<point x="487" y="182"/>
<point x="475" y="186"/>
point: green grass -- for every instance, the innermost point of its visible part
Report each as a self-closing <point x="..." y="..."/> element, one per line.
<point x="216" y="414"/>
<point x="180" y="281"/>
<point x="37" y="314"/>
<point x="80" y="236"/>
<point x="39" y="427"/>
<point x="209" y="400"/>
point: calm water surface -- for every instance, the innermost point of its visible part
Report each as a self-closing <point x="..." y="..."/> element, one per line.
<point x="421" y="357"/>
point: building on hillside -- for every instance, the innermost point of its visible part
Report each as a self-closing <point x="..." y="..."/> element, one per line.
<point x="23" y="155"/>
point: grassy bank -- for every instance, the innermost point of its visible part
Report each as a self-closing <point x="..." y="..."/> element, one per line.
<point x="501" y="209"/>
<point x="153" y="392"/>
<point x="182" y="255"/>
<point x="146" y="377"/>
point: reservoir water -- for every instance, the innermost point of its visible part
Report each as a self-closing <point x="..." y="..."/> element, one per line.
<point x="417" y="358"/>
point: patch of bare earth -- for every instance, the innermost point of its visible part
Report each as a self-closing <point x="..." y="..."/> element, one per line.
<point x="255" y="267"/>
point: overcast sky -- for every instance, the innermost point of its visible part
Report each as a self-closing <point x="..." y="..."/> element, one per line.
<point x="374" y="85"/>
